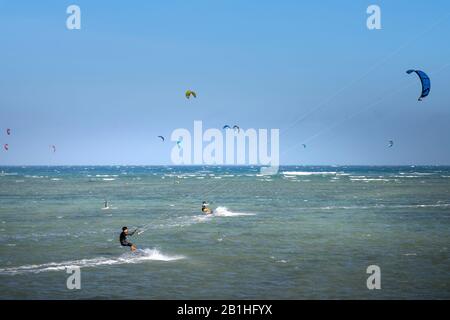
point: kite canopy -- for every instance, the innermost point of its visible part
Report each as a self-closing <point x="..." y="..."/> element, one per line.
<point x="226" y="127"/>
<point x="391" y="143"/>
<point x="236" y="127"/>
<point x="54" y="148"/>
<point x="425" y="80"/>
<point x="304" y="145"/>
<point x="190" y="93"/>
<point x="8" y="131"/>
<point x="6" y="146"/>
<point x="161" y="137"/>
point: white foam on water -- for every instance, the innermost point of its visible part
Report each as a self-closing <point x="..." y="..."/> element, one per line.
<point x="218" y="212"/>
<point x="224" y="212"/>
<point x="379" y="206"/>
<point x="403" y="176"/>
<point x="8" y="173"/>
<point x="429" y="205"/>
<point x="187" y="220"/>
<point x="202" y="218"/>
<point x="422" y="173"/>
<point x="306" y="173"/>
<point x="139" y="256"/>
<point x="370" y="179"/>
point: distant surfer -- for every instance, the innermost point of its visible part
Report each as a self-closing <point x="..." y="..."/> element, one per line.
<point x="106" y="204"/>
<point x="205" y="208"/>
<point x="124" y="241"/>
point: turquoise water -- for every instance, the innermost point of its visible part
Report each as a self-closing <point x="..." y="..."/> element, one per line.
<point x="306" y="233"/>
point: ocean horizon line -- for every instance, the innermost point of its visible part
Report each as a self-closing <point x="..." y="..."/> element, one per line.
<point x="221" y="165"/>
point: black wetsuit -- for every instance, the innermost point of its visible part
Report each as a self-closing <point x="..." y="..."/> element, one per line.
<point x="124" y="241"/>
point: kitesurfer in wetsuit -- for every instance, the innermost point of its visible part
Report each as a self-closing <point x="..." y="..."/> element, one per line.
<point x="123" y="238"/>
<point x="205" y="208"/>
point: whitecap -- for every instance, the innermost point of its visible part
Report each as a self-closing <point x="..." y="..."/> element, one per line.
<point x="224" y="212"/>
<point x="369" y="179"/>
<point x="306" y="173"/>
<point x="139" y="256"/>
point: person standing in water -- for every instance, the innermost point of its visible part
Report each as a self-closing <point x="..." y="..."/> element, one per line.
<point x="106" y="204"/>
<point x="124" y="240"/>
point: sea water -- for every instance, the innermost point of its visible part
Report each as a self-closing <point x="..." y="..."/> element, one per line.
<point x="305" y="233"/>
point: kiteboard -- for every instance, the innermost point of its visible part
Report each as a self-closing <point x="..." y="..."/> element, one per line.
<point x="207" y="211"/>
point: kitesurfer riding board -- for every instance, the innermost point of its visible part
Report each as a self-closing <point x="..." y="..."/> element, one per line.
<point x="105" y="205"/>
<point x="205" y="208"/>
<point x="124" y="240"/>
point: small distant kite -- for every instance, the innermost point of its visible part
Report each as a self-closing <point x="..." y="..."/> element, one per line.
<point x="190" y="93"/>
<point x="304" y="145"/>
<point x="161" y="137"/>
<point x="226" y="127"/>
<point x="391" y="144"/>
<point x="8" y="131"/>
<point x="6" y="146"/>
<point x="53" y="148"/>
<point x="179" y="142"/>
<point x="236" y="127"/>
<point x="425" y="80"/>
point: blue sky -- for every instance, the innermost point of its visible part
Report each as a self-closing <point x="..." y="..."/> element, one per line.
<point x="103" y="93"/>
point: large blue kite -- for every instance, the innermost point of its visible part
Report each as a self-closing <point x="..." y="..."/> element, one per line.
<point x="426" y="84"/>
